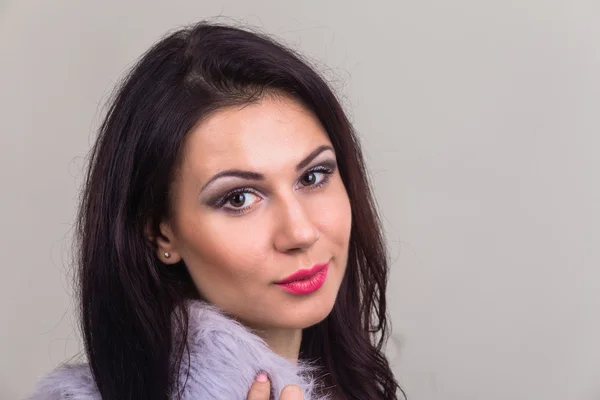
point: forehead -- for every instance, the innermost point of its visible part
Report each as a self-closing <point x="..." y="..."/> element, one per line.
<point x="275" y="132"/>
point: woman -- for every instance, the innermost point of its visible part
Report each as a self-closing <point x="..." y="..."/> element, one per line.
<point x="228" y="241"/>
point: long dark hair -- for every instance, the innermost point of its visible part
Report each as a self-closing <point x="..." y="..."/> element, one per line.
<point x="128" y="297"/>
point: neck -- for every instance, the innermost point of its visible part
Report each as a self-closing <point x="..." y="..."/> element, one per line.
<point x="284" y="342"/>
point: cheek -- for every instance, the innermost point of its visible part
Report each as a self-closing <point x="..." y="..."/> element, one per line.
<point x="335" y="215"/>
<point x="226" y="249"/>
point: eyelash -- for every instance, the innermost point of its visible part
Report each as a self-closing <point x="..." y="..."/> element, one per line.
<point x="223" y="200"/>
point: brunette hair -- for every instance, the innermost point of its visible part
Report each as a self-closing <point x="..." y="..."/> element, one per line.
<point x="127" y="297"/>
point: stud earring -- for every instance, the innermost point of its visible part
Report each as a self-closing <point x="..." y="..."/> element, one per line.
<point x="167" y="255"/>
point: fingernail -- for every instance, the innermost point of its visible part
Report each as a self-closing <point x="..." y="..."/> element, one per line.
<point x="262" y="377"/>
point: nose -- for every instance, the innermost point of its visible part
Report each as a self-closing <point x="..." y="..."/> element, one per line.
<point x="295" y="229"/>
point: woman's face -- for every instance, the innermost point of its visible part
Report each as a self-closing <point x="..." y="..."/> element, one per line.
<point x="289" y="211"/>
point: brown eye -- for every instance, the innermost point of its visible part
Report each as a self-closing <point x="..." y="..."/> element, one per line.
<point x="309" y="179"/>
<point x="237" y="200"/>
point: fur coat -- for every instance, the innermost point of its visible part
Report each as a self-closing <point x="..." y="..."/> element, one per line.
<point x="225" y="357"/>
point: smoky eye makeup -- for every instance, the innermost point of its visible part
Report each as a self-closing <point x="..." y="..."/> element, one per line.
<point x="222" y="197"/>
<point x="220" y="200"/>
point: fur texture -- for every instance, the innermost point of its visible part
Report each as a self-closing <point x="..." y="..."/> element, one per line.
<point x="224" y="359"/>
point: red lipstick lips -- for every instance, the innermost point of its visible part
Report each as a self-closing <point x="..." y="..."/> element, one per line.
<point x="305" y="281"/>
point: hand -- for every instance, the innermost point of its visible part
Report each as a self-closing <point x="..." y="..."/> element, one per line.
<point x="261" y="389"/>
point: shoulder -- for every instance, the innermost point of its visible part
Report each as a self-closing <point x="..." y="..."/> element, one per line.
<point x="223" y="357"/>
<point x="68" y="382"/>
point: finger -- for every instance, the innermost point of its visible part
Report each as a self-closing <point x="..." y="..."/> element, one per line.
<point x="292" y="392"/>
<point x="261" y="388"/>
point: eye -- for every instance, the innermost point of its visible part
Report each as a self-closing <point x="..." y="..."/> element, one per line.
<point x="237" y="200"/>
<point x="316" y="177"/>
<point x="240" y="200"/>
<point x="309" y="179"/>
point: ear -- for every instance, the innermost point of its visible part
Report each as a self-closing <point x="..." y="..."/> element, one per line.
<point x="166" y="245"/>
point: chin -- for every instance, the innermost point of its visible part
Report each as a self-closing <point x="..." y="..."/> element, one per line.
<point x="308" y="312"/>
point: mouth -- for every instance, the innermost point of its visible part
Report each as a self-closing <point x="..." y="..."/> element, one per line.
<point x="305" y="281"/>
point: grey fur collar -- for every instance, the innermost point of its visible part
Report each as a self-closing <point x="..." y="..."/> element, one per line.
<point x="224" y="359"/>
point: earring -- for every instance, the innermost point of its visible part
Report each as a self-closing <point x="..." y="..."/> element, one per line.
<point x="167" y="255"/>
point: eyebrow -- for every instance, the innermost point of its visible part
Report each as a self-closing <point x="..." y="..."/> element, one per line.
<point x="255" y="176"/>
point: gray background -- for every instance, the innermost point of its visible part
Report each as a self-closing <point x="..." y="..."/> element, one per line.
<point x="480" y="121"/>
